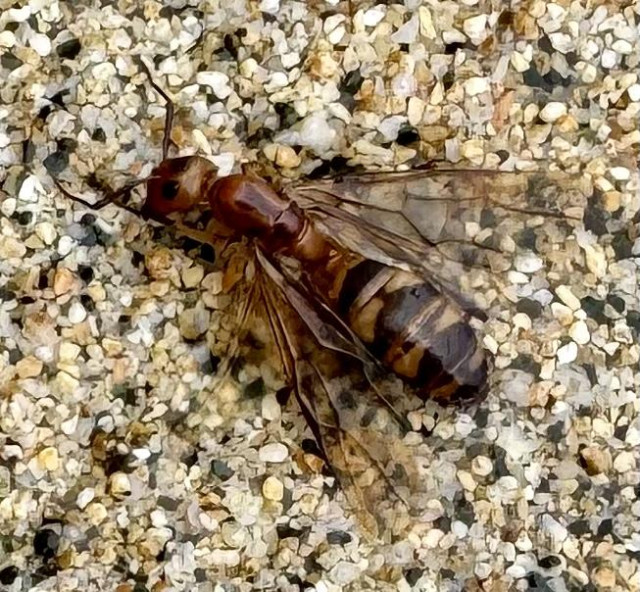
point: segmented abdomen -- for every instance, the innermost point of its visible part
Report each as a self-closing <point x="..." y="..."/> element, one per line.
<point x="415" y="330"/>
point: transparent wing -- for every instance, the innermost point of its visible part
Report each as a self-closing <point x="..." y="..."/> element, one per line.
<point x="357" y="427"/>
<point x="439" y="220"/>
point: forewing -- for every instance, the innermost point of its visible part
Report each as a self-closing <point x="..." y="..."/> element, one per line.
<point x="438" y="220"/>
<point x="357" y="428"/>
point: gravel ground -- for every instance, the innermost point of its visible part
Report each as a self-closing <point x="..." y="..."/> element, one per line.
<point x="124" y="464"/>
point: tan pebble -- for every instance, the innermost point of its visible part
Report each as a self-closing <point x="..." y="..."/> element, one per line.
<point x="467" y="481"/>
<point x="159" y="263"/>
<point x="597" y="461"/>
<point x="29" y="367"/>
<point x="111" y="346"/>
<point x="611" y="201"/>
<point x="48" y="459"/>
<point x="192" y="276"/>
<point x="68" y="352"/>
<point x="67" y="383"/>
<point x="96" y="513"/>
<point x="63" y="281"/>
<point x="119" y="484"/>
<point x="604" y="577"/>
<point x="568" y="124"/>
<point x="273" y="489"/>
<point x="97" y="292"/>
<point x="286" y="157"/>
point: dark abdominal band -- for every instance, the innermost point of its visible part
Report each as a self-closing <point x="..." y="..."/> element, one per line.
<point x="447" y="359"/>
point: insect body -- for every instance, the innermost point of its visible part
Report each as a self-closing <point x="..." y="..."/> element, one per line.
<point x="405" y="320"/>
<point x="357" y="269"/>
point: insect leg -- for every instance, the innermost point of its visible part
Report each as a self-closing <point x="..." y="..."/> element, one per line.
<point x="168" y="122"/>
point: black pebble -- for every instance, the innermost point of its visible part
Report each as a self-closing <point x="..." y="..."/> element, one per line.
<point x="549" y="561"/>
<point x="633" y="320"/>
<point x="98" y="135"/>
<point x="56" y="163"/>
<point x="412" y="575"/>
<point x="255" y="389"/>
<point x="86" y="273"/>
<point x="338" y="537"/>
<point x="88" y="220"/>
<point x="622" y="246"/>
<point x="579" y="527"/>
<point x="46" y="543"/>
<point x="8" y="575"/>
<point x="527" y="364"/>
<point x="556" y="432"/>
<point x="532" y="308"/>
<point x="616" y="302"/>
<point x="23" y="218"/>
<point x="286" y="531"/>
<point x="594" y="309"/>
<point x="211" y="365"/>
<point x="207" y="253"/>
<point x="9" y="61"/>
<point x="69" y="49"/>
<point x="221" y="470"/>
<point x="407" y="135"/>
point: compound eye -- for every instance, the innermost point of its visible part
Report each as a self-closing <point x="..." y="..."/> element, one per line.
<point x="170" y="190"/>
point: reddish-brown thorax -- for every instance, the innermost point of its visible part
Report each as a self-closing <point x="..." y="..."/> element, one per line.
<point x="245" y="205"/>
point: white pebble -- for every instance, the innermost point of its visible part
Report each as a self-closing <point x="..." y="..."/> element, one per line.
<point x="476" y="85"/>
<point x="553" y="111"/>
<point x="47" y="232"/>
<point x="270" y="6"/>
<point x="522" y="321"/>
<point x="459" y="528"/>
<point x="622" y="46"/>
<point x="529" y="263"/>
<point x="566" y="295"/>
<point x="634" y="92"/>
<point x="608" y="58"/>
<point x="345" y="572"/>
<point x="408" y="32"/>
<point x="274" y="453"/>
<point x="7" y="39"/>
<point x="77" y="313"/>
<point x="30" y="189"/>
<point x="579" y="332"/>
<point x="553" y="528"/>
<point x="625" y="462"/>
<point x="271" y="409"/>
<point x="41" y="43"/>
<point x="216" y="81"/>
<point x="481" y="465"/>
<point x="475" y="28"/>
<point x="373" y="16"/>
<point x="620" y="173"/>
<point x="85" y="497"/>
<point x="317" y="134"/>
<point x="519" y="62"/>
<point x="567" y="353"/>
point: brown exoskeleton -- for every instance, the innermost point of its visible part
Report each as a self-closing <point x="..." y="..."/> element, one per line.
<point x="360" y="268"/>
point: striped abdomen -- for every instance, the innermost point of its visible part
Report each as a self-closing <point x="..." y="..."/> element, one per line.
<point x="416" y="331"/>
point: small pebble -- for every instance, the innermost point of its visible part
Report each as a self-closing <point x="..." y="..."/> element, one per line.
<point x="579" y="332"/>
<point x="481" y="465"/>
<point x="77" y="313"/>
<point x="551" y="112"/>
<point x="272" y="488"/>
<point x="273" y="453"/>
